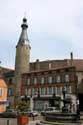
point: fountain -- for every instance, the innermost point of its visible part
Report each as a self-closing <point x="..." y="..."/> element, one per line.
<point x="65" y="115"/>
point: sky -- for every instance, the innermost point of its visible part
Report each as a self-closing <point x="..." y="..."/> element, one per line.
<point x="55" y="29"/>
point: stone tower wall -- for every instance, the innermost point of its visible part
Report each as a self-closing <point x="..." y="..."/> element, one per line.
<point x="21" y="65"/>
<point x="22" y="59"/>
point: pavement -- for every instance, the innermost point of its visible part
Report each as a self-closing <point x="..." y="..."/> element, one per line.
<point x="38" y="121"/>
<point x="79" y="122"/>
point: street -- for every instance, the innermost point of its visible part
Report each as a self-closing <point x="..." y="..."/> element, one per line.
<point x="13" y="121"/>
<point x="6" y="121"/>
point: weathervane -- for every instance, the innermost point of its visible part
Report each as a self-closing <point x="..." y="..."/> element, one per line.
<point x="25" y="13"/>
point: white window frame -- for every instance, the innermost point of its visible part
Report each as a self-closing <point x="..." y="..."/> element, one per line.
<point x="1" y="91"/>
<point x="58" y="78"/>
<point x="28" y="92"/>
<point x="35" y="91"/>
<point x="43" y="91"/>
<point x="66" y="77"/>
<point x="9" y="91"/>
<point x="49" y="79"/>
<point x="68" y="89"/>
<point x="35" y="80"/>
<point x="58" y="90"/>
<point x="28" y="81"/>
<point x="49" y="92"/>
<point x="42" y="80"/>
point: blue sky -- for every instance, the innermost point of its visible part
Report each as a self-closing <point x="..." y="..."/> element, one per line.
<point x="55" y="29"/>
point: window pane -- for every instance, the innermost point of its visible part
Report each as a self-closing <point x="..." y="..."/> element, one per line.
<point x="49" y="79"/>
<point x="42" y="80"/>
<point x="0" y="91"/>
<point x="35" y="80"/>
<point x="58" y="78"/>
<point x="68" y="89"/>
<point x="49" y="91"/>
<point x="58" y="90"/>
<point x="28" y="81"/>
<point x="28" y="92"/>
<point x="35" y="91"/>
<point x="9" y="92"/>
<point x="43" y="91"/>
<point x="67" y="78"/>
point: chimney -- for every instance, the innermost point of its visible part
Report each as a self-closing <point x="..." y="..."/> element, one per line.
<point x="71" y="57"/>
<point x="37" y="65"/>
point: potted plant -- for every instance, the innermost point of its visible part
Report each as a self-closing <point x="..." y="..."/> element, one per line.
<point x="22" y="117"/>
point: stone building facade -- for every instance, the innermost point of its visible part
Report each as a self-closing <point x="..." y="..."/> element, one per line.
<point x="46" y="87"/>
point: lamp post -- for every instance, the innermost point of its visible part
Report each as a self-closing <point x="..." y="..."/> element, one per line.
<point x="64" y="92"/>
<point x="25" y="98"/>
<point x="65" y="108"/>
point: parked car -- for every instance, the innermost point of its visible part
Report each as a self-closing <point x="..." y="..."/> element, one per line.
<point x="9" y="114"/>
<point x="49" y="109"/>
<point x="30" y="113"/>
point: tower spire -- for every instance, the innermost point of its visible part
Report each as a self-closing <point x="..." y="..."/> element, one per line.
<point x="24" y="36"/>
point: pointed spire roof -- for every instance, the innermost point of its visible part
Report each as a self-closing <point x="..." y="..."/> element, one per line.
<point x="23" y="40"/>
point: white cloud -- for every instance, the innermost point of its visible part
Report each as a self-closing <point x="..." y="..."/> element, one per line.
<point x="51" y="22"/>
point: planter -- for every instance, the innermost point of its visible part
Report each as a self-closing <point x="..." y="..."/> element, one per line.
<point x="21" y="120"/>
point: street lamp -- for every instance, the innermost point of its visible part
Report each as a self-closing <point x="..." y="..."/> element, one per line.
<point x="64" y="108"/>
<point x="25" y="98"/>
<point x="64" y="93"/>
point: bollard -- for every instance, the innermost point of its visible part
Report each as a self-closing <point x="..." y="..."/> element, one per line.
<point x="7" y="121"/>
